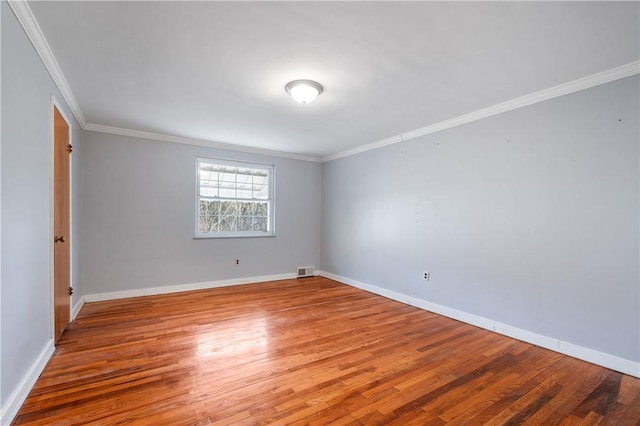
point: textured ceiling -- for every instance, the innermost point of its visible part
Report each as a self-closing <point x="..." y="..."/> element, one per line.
<point x="217" y="70"/>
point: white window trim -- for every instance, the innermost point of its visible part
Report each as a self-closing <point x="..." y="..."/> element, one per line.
<point x="236" y="234"/>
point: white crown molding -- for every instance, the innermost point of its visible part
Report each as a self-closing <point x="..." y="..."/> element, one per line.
<point x="34" y="33"/>
<point x="32" y="29"/>
<point x="28" y="22"/>
<point x="603" y="77"/>
<point x="30" y="25"/>
<point x="197" y="142"/>
<point x="590" y="355"/>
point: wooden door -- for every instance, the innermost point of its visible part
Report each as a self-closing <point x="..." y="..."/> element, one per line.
<point x="61" y="220"/>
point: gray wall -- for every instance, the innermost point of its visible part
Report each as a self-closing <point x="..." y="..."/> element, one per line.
<point x="26" y="312"/>
<point x="138" y="214"/>
<point x="529" y="218"/>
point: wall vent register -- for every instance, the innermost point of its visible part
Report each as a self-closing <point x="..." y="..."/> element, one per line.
<point x="305" y="271"/>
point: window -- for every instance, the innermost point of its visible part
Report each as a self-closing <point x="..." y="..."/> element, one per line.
<point x="233" y="199"/>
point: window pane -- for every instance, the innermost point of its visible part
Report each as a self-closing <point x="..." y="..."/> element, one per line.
<point x="245" y="209"/>
<point x="261" y="209"/>
<point x="227" y="224"/>
<point x="208" y="175"/>
<point x="228" y="208"/>
<point x="228" y="176"/>
<point x="245" y="223"/>
<point x="208" y="187"/>
<point x="261" y="224"/>
<point x="261" y="187"/>
<point x="209" y="207"/>
<point x="206" y="191"/>
<point x="245" y="194"/>
<point x="244" y="175"/>
<point x="208" y="223"/>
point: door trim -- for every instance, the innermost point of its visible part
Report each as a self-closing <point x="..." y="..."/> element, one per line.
<point x="54" y="104"/>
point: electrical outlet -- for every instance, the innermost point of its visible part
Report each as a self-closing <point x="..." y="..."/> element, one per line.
<point x="426" y="275"/>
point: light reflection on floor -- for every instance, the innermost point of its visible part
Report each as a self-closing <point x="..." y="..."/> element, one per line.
<point x="233" y="338"/>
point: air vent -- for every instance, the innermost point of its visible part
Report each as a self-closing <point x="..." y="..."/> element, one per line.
<point x="305" y="271"/>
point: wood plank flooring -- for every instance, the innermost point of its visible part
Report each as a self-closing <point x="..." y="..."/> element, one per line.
<point x="309" y="351"/>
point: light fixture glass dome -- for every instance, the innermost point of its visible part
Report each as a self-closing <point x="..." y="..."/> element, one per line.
<point x="303" y="91"/>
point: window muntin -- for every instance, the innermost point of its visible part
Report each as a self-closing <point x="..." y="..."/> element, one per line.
<point x="233" y="199"/>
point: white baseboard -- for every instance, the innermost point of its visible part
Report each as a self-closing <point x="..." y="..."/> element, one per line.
<point x="600" y="358"/>
<point x="17" y="398"/>
<point x="590" y="355"/>
<point x="183" y="287"/>
<point x="76" y="308"/>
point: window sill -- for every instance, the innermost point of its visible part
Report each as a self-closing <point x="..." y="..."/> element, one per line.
<point x="234" y="235"/>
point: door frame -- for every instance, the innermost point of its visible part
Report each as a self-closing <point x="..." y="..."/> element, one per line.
<point x="54" y="104"/>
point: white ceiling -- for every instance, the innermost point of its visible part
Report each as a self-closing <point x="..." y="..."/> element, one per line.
<point x="217" y="70"/>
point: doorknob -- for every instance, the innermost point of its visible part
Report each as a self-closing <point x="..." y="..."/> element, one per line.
<point x="58" y="239"/>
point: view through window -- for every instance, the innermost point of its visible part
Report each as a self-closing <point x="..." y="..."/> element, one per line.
<point x="234" y="198"/>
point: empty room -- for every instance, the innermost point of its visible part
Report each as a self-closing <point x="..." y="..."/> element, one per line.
<point x="314" y="213"/>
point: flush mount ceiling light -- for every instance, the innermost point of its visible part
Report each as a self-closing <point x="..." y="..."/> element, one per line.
<point x="303" y="91"/>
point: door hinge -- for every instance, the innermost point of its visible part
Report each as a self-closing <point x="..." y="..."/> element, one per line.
<point x="70" y="291"/>
<point x="69" y="148"/>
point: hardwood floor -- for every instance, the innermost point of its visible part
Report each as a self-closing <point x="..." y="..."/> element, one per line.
<point x="309" y="351"/>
